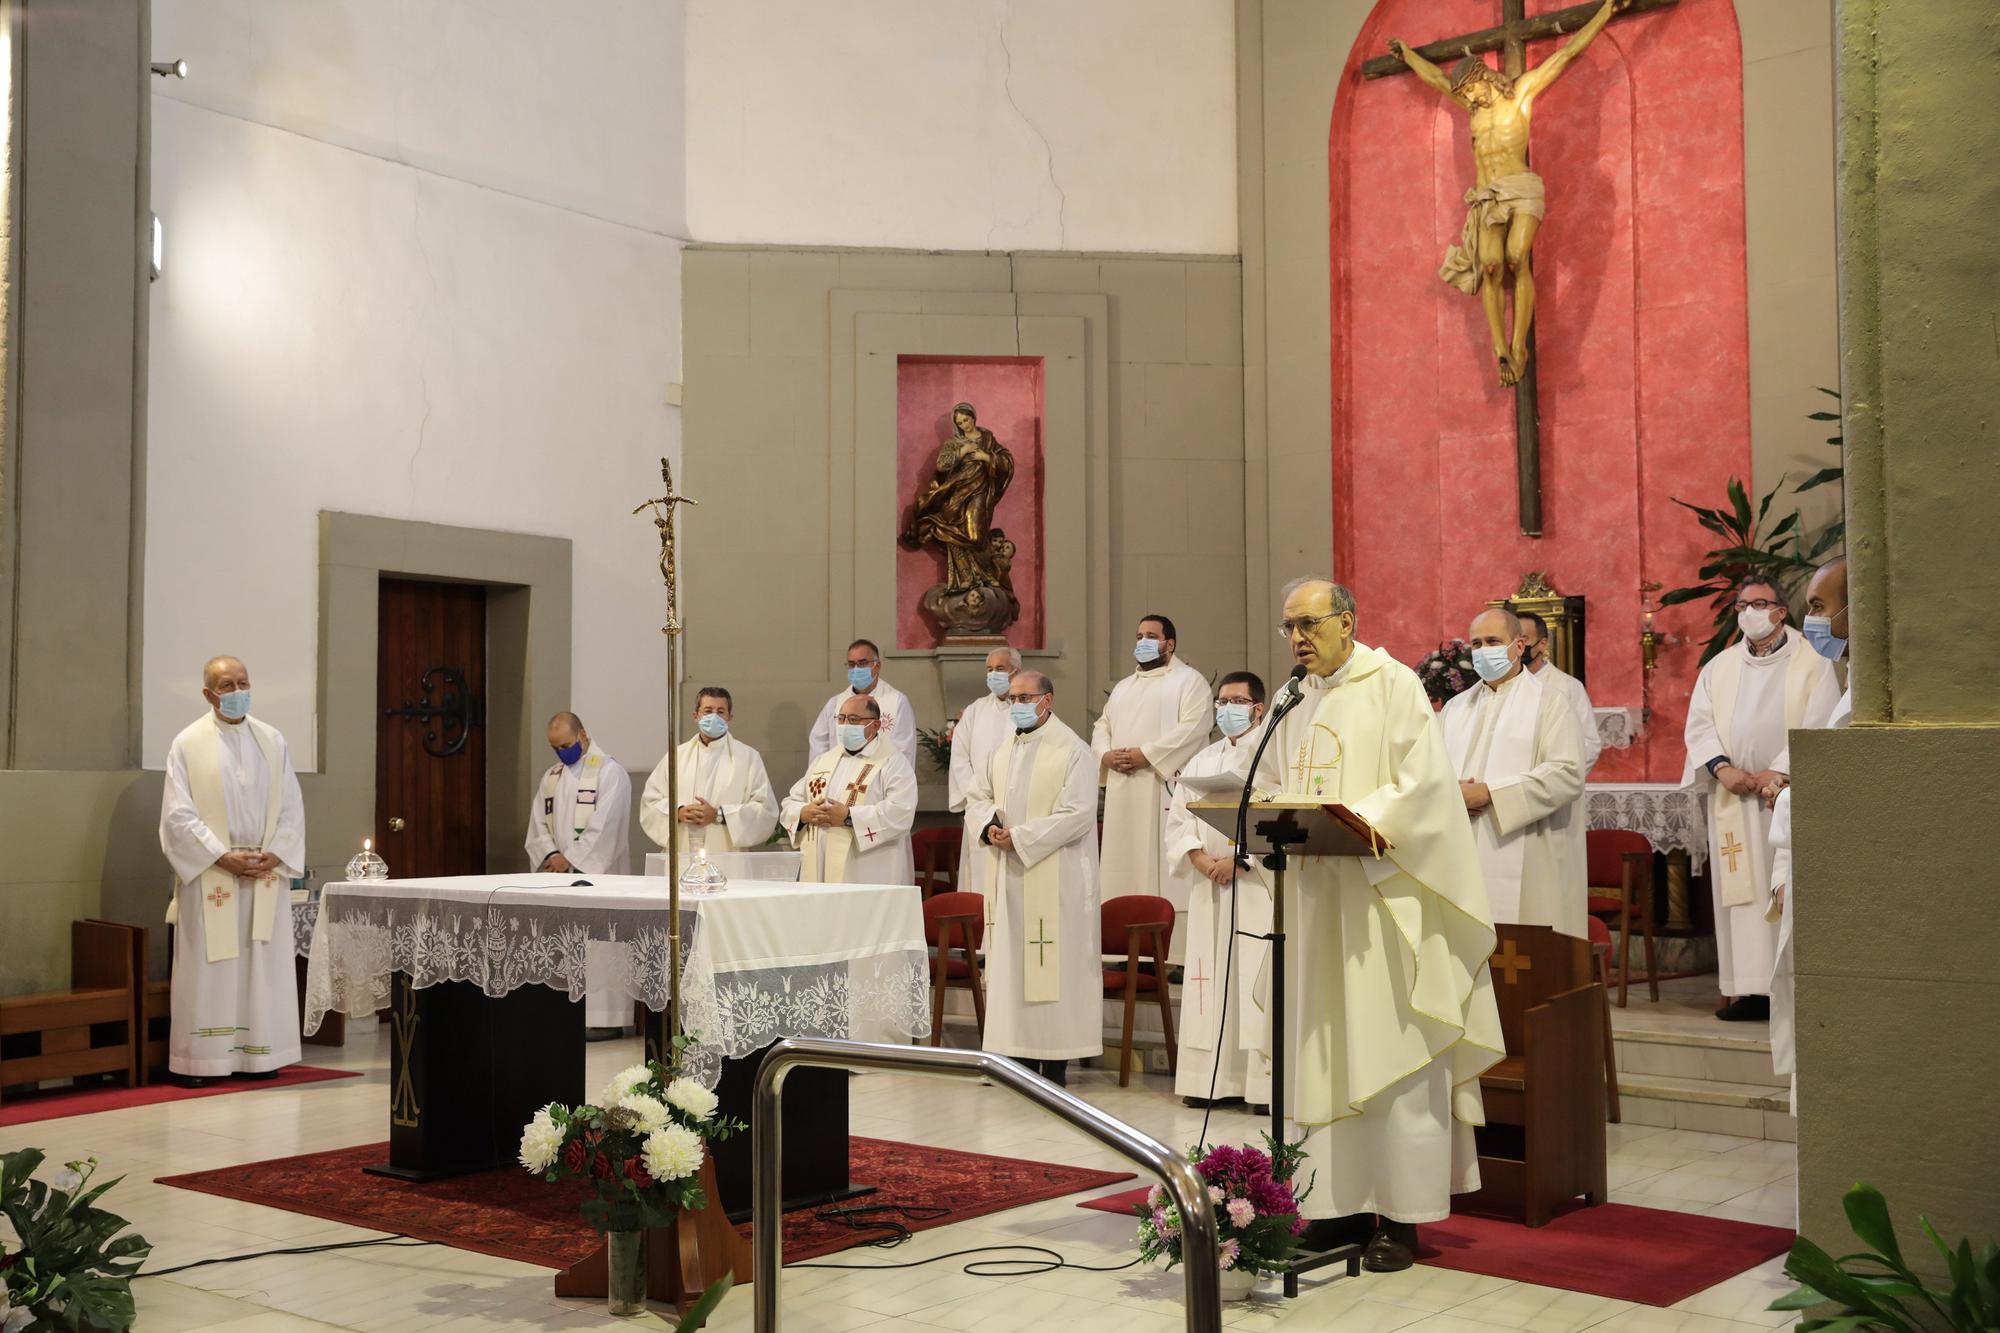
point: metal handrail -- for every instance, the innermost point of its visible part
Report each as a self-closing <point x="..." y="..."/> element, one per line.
<point x="1183" y="1185"/>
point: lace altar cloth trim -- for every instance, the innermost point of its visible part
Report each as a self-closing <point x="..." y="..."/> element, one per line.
<point x="766" y="960"/>
<point x="1672" y="818"/>
<point x="1617" y="728"/>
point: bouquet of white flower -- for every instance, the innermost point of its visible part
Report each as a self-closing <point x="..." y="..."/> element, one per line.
<point x="641" y="1146"/>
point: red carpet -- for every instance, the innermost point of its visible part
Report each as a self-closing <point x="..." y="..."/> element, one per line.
<point x="515" y="1216"/>
<point x="1649" y="1255"/>
<point x="85" y="1101"/>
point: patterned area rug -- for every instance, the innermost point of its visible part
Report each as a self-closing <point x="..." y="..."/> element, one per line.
<point x="32" y="1106"/>
<point x="1648" y="1255"/>
<point x="516" y="1216"/>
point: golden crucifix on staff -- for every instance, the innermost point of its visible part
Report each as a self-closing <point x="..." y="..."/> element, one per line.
<point x="663" y="519"/>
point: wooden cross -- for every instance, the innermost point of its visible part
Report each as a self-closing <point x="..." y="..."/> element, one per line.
<point x="1042" y="945"/>
<point x="1512" y="963"/>
<point x="1198" y="979"/>
<point x="1732" y="849"/>
<point x="1511" y="40"/>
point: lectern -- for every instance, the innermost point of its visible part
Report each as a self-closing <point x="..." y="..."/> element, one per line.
<point x="1281" y="827"/>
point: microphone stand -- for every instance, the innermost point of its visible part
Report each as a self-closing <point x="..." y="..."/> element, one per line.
<point x="1280" y="834"/>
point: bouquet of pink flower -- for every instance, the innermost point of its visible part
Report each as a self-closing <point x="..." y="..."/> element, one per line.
<point x="1256" y="1209"/>
<point x="1446" y="671"/>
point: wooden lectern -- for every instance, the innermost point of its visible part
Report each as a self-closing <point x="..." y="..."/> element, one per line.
<point x="1280" y="827"/>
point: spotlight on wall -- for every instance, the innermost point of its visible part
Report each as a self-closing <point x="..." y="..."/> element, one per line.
<point x="176" y="68"/>
<point x="159" y="246"/>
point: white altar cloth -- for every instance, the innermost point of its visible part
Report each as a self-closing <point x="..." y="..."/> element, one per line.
<point x="766" y="960"/>
<point x="1673" y="818"/>
<point x="778" y="867"/>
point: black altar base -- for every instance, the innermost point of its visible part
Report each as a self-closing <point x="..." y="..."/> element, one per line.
<point x="467" y="1072"/>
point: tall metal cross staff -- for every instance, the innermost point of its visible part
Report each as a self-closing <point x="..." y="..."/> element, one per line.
<point x="663" y="519"/>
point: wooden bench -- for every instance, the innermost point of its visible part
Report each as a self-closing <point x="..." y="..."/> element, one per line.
<point x="86" y="1030"/>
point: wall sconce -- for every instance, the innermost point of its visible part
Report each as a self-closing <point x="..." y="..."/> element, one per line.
<point x="1650" y="639"/>
<point x="159" y="247"/>
<point x="170" y="68"/>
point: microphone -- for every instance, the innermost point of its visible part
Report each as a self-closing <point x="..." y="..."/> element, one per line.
<point x="1289" y="694"/>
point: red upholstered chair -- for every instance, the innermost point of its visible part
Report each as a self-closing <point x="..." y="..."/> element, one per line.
<point x="960" y="917"/>
<point x="935" y="851"/>
<point x="1141" y="926"/>
<point x="1621" y="892"/>
<point x="1600" y="953"/>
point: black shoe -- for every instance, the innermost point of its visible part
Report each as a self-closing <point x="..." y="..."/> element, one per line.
<point x="603" y="1034"/>
<point x="1056" y="1072"/>
<point x="1262" y="1110"/>
<point x="1200" y="1103"/>
<point x="1331" y="1233"/>
<point x="1746" y="1009"/>
<point x="1392" y="1249"/>
<point x="260" y="1075"/>
<point x="189" y="1080"/>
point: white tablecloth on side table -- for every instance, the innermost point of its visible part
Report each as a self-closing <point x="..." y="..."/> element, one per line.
<point x="767" y="960"/>
<point x="1674" y="819"/>
<point x="778" y="866"/>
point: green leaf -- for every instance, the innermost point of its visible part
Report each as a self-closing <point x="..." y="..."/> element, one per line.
<point x="1812" y="1266"/>
<point x="1822" y="478"/>
<point x="1804" y="1298"/>
<point x="1680" y="595"/>
<point x="698" y="1313"/>
<point x="1822" y="416"/>
<point x="1868" y="1214"/>
<point x="1831" y="393"/>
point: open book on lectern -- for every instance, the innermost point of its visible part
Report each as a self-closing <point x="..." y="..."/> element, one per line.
<point x="1330" y="828"/>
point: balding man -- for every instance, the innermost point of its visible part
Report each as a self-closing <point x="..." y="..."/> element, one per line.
<point x="1514" y="744"/>
<point x="579" y="824"/>
<point x="233" y="825"/>
<point x="981" y="728"/>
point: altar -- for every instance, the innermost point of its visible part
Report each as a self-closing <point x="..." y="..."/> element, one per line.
<point x="484" y="977"/>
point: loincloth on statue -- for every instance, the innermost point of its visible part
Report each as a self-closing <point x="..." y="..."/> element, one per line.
<point x="1493" y="204"/>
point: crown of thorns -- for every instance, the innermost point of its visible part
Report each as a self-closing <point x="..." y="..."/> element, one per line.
<point x="1471" y="68"/>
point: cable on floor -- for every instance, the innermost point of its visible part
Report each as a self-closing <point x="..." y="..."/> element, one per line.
<point x="397" y="1241"/>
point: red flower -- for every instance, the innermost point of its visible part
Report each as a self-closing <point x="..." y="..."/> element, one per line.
<point x="636" y="1172"/>
<point x="600" y="1167"/>
<point x="575" y="1155"/>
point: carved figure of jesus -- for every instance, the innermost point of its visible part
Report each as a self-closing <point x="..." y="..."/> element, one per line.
<point x="1505" y="207"/>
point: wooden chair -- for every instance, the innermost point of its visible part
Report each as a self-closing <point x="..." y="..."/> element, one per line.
<point x="1543" y="1141"/>
<point x="85" y="1030"/>
<point x="1600" y="955"/>
<point x="936" y="851"/>
<point x="1139" y="926"/>
<point x="1621" y="891"/>
<point x="962" y="915"/>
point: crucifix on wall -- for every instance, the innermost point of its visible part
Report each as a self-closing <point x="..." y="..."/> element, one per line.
<point x="1505" y="207"/>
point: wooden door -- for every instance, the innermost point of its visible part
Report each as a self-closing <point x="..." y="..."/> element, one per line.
<point x="430" y="728"/>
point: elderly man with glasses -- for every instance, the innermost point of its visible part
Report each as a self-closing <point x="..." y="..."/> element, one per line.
<point x="852" y="811"/>
<point x="1745" y="703"/>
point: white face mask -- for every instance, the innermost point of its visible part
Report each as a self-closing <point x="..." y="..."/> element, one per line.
<point x="1233" y="719"/>
<point x="1756" y="624"/>
<point x="996" y="681"/>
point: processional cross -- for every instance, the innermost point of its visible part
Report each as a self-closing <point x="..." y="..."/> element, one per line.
<point x="1507" y="203"/>
<point x="662" y="509"/>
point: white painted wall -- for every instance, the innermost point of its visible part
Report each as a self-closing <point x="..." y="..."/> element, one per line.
<point x="421" y="261"/>
<point x="964" y="124"/>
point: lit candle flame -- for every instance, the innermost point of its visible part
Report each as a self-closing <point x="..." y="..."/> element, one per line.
<point x="367" y="844"/>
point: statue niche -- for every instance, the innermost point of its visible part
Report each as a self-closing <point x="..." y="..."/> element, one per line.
<point x="954" y="513"/>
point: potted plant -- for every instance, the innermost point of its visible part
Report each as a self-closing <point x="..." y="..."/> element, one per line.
<point x="1256" y="1213"/>
<point x="1878" y="1289"/>
<point x="72" y="1269"/>
<point x="641" y="1148"/>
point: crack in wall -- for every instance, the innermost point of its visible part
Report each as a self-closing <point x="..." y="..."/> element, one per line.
<point x="1048" y="150"/>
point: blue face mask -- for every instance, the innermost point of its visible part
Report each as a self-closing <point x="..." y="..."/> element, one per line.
<point x="852" y="738"/>
<point x="1819" y="633"/>
<point x="996" y="681"/>
<point x="1025" y="715"/>
<point x="860" y="677"/>
<point x="570" y="753"/>
<point x="713" y="725"/>
<point x="1492" y="662"/>
<point x="235" y="705"/>
<point x="1146" y="650"/>
<point x="1234" y="719"/>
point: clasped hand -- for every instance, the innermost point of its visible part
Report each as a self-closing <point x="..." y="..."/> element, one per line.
<point x="1219" y="870"/>
<point x="1477" y="794"/>
<point x="698" y="813"/>
<point x="823" y="813"/>
<point x="1128" y="760"/>
<point x="247" y="865"/>
<point x="999" y="835"/>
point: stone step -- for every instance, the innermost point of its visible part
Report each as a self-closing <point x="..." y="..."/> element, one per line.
<point x="1749" y="1110"/>
<point x="1718" y="1060"/>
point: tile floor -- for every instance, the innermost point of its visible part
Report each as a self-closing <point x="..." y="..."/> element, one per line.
<point x="436" y="1288"/>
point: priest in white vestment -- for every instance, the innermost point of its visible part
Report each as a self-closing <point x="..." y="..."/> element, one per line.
<point x="1825" y="632"/>
<point x="1033" y="815"/>
<point x="1744" y="702"/>
<point x="1393" y="1015"/>
<point x="864" y="681"/>
<point x="233" y="826"/>
<point x="1535" y="657"/>
<point x="1225" y="1030"/>
<point x="981" y="726"/>
<point x="1513" y="742"/>
<point x="1154" y="722"/>
<point x="726" y="801"/>
<point x="852" y="810"/>
<point x="579" y="823"/>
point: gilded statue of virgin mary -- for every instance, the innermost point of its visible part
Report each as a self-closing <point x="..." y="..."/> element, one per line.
<point x="954" y="511"/>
